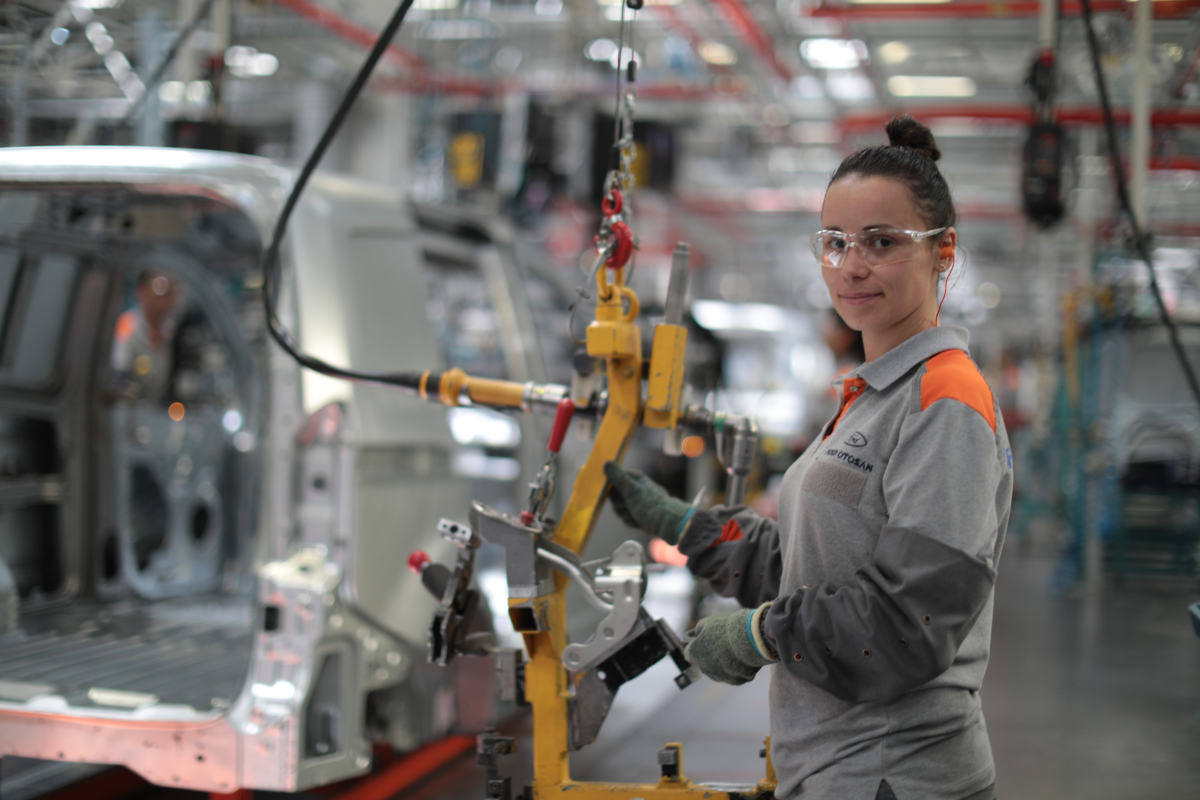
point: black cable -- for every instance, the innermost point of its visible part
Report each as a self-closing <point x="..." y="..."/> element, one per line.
<point x="270" y="261"/>
<point x="151" y="83"/>
<point x="1140" y="238"/>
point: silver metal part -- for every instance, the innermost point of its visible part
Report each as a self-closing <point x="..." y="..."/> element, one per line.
<point x="588" y="709"/>
<point x="457" y="532"/>
<point x="544" y="396"/>
<point x="625" y="578"/>
<point x="527" y="577"/>
<point x="740" y="460"/>
<point x="568" y="563"/>
<point x="677" y="286"/>
<point x="509" y="663"/>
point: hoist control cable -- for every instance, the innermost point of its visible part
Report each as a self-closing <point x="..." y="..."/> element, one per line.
<point x="1140" y="237"/>
<point x="270" y="261"/>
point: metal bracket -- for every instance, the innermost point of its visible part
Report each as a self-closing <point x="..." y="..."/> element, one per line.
<point x="625" y="578"/>
<point x="459" y="602"/>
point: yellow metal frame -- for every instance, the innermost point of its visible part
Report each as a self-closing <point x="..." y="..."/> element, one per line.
<point x="613" y="336"/>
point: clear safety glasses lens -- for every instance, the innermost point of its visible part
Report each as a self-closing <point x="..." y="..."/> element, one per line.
<point x="877" y="248"/>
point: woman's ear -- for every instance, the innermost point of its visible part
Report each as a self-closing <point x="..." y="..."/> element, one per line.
<point x="947" y="246"/>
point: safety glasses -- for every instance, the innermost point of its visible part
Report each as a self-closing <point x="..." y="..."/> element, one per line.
<point x="877" y="247"/>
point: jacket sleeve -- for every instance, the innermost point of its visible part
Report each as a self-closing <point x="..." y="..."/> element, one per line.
<point x="737" y="551"/>
<point x="902" y="620"/>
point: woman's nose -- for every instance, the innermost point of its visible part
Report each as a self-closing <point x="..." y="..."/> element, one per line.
<point x="853" y="264"/>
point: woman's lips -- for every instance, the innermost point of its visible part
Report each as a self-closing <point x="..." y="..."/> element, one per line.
<point x="858" y="299"/>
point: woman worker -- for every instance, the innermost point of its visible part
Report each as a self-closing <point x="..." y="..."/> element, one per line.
<point x="873" y="594"/>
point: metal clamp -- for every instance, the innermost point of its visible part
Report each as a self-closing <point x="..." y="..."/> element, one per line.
<point x="625" y="579"/>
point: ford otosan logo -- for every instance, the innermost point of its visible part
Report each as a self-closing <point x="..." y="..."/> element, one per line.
<point x="857" y="440"/>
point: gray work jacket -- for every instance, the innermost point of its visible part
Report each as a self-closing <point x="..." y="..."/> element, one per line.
<point x="881" y="569"/>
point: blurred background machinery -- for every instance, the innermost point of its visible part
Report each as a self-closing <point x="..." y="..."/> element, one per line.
<point x="165" y="471"/>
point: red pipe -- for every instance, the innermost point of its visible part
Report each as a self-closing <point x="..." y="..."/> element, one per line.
<point x="753" y="35"/>
<point x="338" y="25"/>
<point x="1166" y="9"/>
<point x="1080" y="115"/>
<point x="409" y="769"/>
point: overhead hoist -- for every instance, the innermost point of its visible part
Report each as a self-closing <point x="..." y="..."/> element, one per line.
<point x="571" y="686"/>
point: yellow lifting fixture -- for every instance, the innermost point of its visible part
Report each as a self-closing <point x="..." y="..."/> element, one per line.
<point x="571" y="686"/>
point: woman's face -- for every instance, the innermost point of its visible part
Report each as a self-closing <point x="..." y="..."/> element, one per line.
<point x="895" y="296"/>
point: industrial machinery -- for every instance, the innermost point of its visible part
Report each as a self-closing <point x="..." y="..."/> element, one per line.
<point x="201" y="546"/>
<point x="572" y="684"/>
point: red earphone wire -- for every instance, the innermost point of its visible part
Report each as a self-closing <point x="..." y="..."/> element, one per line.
<point x="945" y="290"/>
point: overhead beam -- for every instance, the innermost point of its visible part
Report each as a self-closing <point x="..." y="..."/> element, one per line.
<point x="753" y="36"/>
<point x="354" y="33"/>
<point x="850" y="124"/>
<point x="860" y="12"/>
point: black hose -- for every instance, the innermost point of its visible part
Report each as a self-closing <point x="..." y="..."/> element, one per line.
<point x="1141" y="239"/>
<point x="270" y="261"/>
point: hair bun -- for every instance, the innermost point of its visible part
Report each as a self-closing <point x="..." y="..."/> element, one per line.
<point x="904" y="131"/>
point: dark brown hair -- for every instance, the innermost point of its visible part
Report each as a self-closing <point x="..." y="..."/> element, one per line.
<point x="910" y="159"/>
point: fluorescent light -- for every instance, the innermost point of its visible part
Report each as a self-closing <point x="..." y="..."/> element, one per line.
<point x="548" y="8"/>
<point x="600" y="50"/>
<point x="247" y="62"/>
<point x="436" y="5"/>
<point x="483" y="427"/>
<point x="850" y="86"/>
<point x="834" y="53"/>
<point x="715" y="315"/>
<point x="172" y="91"/>
<point x="721" y="55"/>
<point x="894" y="52"/>
<point x="931" y="86"/>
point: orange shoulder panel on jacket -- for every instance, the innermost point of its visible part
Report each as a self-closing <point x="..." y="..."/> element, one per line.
<point x="953" y="375"/>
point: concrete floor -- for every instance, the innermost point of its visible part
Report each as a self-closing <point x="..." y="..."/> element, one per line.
<point x="1088" y="697"/>
<point x="1093" y="696"/>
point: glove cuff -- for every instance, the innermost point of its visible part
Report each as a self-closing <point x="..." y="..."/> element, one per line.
<point x="754" y="630"/>
<point x="676" y="518"/>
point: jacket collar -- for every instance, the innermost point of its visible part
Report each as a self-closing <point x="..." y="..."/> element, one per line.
<point x="892" y="365"/>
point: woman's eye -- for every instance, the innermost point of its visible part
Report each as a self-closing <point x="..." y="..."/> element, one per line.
<point x="837" y="244"/>
<point x="882" y="242"/>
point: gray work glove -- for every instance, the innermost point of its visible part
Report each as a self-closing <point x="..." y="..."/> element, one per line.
<point x="642" y="503"/>
<point x="730" y="648"/>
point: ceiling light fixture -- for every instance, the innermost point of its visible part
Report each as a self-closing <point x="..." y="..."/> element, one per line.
<point x="717" y="54"/>
<point x="600" y="50"/>
<point x="894" y="52"/>
<point x="247" y="62"/>
<point x="834" y="53"/>
<point x="850" y="86"/>
<point x="931" y="86"/>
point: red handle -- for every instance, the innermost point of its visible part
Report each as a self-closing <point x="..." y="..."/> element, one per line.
<point x="417" y="561"/>
<point x="562" y="421"/>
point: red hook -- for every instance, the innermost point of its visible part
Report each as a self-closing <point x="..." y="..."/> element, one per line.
<point x="613" y="206"/>
<point x="622" y="246"/>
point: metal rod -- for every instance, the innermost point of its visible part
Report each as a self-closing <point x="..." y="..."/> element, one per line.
<point x="574" y="571"/>
<point x="677" y="286"/>
<point x="1139" y="152"/>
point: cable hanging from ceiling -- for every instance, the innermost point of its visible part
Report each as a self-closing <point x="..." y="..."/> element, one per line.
<point x="1141" y="238"/>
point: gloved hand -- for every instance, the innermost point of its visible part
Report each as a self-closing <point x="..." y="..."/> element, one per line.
<point x="729" y="647"/>
<point x="642" y="503"/>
